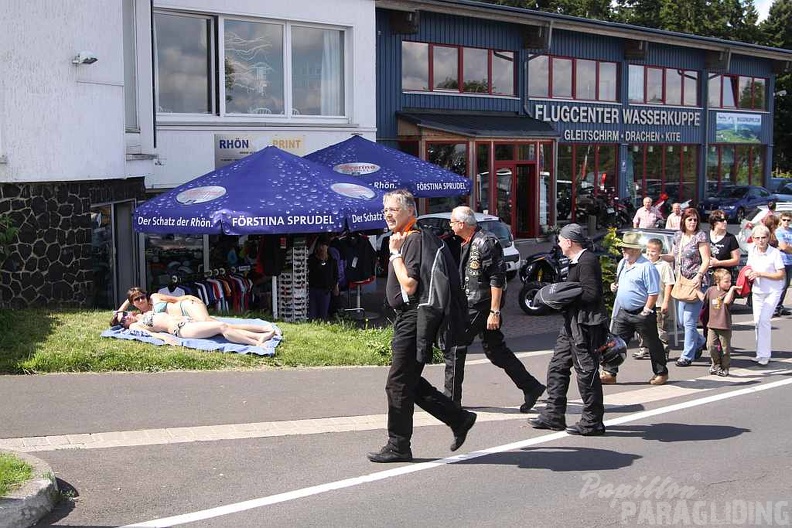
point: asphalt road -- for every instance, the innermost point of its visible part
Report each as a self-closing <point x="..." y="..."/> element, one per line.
<point x="287" y="447"/>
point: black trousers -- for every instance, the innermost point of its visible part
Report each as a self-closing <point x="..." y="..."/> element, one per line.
<point x="406" y="388"/>
<point x="585" y="359"/>
<point x="626" y="324"/>
<point x="495" y="349"/>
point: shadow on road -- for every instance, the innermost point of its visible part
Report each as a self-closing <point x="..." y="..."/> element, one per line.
<point x="677" y="432"/>
<point x="560" y="459"/>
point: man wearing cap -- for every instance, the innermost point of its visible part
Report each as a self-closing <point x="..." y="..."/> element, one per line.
<point x="637" y="287"/>
<point x="584" y="331"/>
<point x="483" y="274"/>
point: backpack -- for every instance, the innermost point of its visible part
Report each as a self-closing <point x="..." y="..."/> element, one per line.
<point x="442" y="304"/>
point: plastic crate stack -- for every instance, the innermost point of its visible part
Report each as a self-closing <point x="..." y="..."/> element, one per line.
<point x="293" y="284"/>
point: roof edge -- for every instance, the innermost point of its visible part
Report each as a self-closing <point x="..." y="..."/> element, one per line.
<point x="518" y="15"/>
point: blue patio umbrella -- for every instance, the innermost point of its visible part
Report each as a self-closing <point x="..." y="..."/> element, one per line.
<point x="385" y="168"/>
<point x="268" y="192"/>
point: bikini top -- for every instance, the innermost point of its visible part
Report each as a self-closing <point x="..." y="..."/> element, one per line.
<point x="160" y="307"/>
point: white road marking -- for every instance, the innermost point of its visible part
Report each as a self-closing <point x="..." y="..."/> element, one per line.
<point x="211" y="433"/>
<point x="413" y="468"/>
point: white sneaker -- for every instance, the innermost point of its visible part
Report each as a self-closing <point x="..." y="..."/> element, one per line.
<point x="755" y="359"/>
<point x="763" y="361"/>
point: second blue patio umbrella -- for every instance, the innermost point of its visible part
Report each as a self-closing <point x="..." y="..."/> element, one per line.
<point x="386" y="169"/>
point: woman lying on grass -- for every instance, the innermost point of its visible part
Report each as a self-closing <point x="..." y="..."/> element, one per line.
<point x="179" y="306"/>
<point x="165" y="326"/>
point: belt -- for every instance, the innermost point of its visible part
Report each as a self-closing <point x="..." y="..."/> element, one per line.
<point x="634" y="312"/>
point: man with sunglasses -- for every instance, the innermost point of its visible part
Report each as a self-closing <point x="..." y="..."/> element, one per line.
<point x="784" y="236"/>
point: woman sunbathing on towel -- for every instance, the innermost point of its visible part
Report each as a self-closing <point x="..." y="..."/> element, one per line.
<point x="182" y="305"/>
<point x="164" y="326"/>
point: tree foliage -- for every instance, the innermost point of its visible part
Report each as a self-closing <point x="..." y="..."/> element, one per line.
<point x="777" y="32"/>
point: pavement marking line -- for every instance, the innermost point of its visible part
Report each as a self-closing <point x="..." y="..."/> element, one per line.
<point x="211" y="433"/>
<point x="413" y="468"/>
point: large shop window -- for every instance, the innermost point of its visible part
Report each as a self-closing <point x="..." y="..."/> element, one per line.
<point x="567" y="78"/>
<point x="733" y="91"/>
<point x="663" y="86"/>
<point x="218" y="65"/>
<point x="451" y="156"/>
<point x="584" y="171"/>
<point x="443" y="68"/>
<point x="734" y="165"/>
<point x="662" y="172"/>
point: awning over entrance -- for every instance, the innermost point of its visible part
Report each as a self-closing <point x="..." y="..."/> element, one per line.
<point x="491" y="125"/>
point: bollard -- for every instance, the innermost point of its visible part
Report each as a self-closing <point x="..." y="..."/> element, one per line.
<point x="592" y="225"/>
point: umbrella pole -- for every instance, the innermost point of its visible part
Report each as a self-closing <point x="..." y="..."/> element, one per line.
<point x="274" y="298"/>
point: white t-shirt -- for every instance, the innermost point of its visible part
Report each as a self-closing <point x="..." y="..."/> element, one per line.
<point x="769" y="261"/>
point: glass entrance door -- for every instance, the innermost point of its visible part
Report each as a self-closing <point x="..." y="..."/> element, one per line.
<point x="526" y="201"/>
<point x="504" y="183"/>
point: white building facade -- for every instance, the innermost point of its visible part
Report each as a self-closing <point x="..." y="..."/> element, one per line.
<point x="103" y="103"/>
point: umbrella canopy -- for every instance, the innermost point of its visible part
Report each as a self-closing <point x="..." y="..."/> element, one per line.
<point x="385" y="168"/>
<point x="268" y="192"/>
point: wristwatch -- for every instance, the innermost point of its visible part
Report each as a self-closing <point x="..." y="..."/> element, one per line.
<point x="647" y="312"/>
<point x="495" y="312"/>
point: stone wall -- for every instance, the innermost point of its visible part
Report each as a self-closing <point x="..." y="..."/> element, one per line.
<point x="50" y="264"/>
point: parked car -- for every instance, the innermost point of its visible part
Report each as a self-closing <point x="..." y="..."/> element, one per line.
<point x="440" y="222"/>
<point x="753" y="218"/>
<point x="775" y="183"/>
<point x="783" y="193"/>
<point x="735" y="201"/>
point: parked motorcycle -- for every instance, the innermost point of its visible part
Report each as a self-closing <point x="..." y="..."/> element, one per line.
<point x="541" y="269"/>
<point x="608" y="209"/>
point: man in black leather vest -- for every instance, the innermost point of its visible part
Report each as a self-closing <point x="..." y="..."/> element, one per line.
<point x="483" y="274"/>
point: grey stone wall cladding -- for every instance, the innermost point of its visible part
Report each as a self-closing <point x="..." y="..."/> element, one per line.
<point x="50" y="262"/>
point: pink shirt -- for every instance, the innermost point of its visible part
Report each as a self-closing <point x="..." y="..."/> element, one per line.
<point x="647" y="218"/>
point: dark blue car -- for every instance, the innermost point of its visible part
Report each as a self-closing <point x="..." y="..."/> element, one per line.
<point x="735" y="201"/>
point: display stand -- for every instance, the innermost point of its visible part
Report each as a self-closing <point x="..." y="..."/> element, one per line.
<point x="293" y="284"/>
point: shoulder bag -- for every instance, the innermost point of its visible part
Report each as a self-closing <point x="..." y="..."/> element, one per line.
<point x="684" y="289"/>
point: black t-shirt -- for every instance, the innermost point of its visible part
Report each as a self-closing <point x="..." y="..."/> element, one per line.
<point x="411" y="254"/>
<point x="722" y="249"/>
<point x="322" y="275"/>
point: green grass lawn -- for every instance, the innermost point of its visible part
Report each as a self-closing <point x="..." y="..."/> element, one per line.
<point x="13" y="472"/>
<point x="40" y="341"/>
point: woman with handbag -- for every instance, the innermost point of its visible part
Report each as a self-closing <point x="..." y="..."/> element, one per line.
<point x="691" y="257"/>
<point x="768" y="273"/>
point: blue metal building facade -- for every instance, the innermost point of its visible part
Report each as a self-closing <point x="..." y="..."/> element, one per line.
<point x="616" y="146"/>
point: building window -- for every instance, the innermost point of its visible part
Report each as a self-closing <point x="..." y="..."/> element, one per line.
<point x="565" y="78"/>
<point x="662" y="86"/>
<point x="735" y="165"/>
<point x="451" y="156"/>
<point x="733" y="91"/>
<point x="185" y="72"/>
<point x="663" y="172"/>
<point x="252" y="59"/>
<point x="130" y="67"/>
<point x="443" y="68"/>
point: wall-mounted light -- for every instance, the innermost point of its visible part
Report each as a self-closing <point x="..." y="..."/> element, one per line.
<point x="84" y="57"/>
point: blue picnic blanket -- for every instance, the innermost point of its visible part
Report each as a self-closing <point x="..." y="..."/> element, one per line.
<point x="216" y="343"/>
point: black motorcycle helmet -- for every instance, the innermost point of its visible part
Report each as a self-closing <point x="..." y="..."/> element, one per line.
<point x="614" y="351"/>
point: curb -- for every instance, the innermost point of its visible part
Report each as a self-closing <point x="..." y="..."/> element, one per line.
<point x="36" y="498"/>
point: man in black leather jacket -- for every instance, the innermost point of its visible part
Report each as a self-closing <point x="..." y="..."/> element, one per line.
<point x="483" y="274"/>
<point x="584" y="331"/>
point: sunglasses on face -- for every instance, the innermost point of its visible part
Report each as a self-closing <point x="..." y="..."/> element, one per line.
<point x="139" y="299"/>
